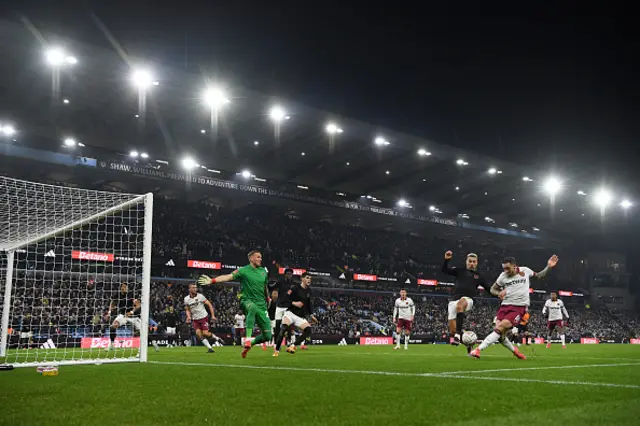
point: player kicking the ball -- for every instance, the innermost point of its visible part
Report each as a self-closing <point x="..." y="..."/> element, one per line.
<point x="556" y="309"/>
<point x="512" y="287"/>
<point x="404" y="312"/>
<point x="466" y="286"/>
<point x="127" y="309"/>
<point x="194" y="305"/>
<point x="253" y="300"/>
<point x="295" y="316"/>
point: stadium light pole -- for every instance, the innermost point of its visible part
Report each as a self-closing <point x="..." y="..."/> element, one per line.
<point x="57" y="59"/>
<point x="215" y="98"/>
<point x="602" y="198"/>
<point x="277" y="115"/>
<point x="332" y="129"/>
<point x="143" y="80"/>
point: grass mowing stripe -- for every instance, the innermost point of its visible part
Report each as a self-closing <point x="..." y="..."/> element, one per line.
<point x="444" y="375"/>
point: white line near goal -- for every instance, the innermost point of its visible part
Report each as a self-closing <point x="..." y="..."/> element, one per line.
<point x="555" y="367"/>
<point x="444" y="375"/>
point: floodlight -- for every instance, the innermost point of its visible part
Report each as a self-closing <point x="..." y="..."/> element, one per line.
<point x="256" y="143"/>
<point x="71" y="60"/>
<point x="582" y="193"/>
<point x="66" y="101"/>
<point x="277" y="114"/>
<point x="527" y="179"/>
<point x="423" y="152"/>
<point x="432" y="208"/>
<point x="144" y="155"/>
<point x="133" y="154"/>
<point x="552" y="186"/>
<point x="332" y="129"/>
<point x="69" y="142"/>
<point x="7" y="130"/>
<point x="246" y="174"/>
<point x="493" y="171"/>
<point x="625" y="204"/>
<point x="460" y="162"/>
<point x="602" y="198"/>
<point x="402" y="203"/>
<point x="380" y="141"/>
<point x="55" y="56"/>
<point x="215" y="97"/>
<point x="189" y="163"/>
<point x="142" y="78"/>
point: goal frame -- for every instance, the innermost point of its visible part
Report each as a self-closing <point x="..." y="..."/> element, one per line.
<point x="10" y="250"/>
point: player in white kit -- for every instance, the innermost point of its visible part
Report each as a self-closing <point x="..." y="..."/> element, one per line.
<point x="239" y="326"/>
<point x="512" y="286"/>
<point x="404" y="312"/>
<point x="556" y="309"/>
<point x="195" y="304"/>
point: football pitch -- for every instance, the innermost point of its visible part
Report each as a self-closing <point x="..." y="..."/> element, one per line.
<point x="338" y="385"/>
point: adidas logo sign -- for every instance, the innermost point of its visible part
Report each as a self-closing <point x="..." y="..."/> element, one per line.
<point x="48" y="345"/>
<point x="408" y="281"/>
<point x="170" y="262"/>
<point x="342" y="277"/>
<point x="342" y="342"/>
<point x="50" y="253"/>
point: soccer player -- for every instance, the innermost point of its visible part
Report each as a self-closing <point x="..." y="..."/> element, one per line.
<point x="299" y="308"/>
<point x="555" y="321"/>
<point x="282" y="304"/>
<point x="512" y="287"/>
<point x="127" y="309"/>
<point x="404" y="311"/>
<point x="522" y="329"/>
<point x="254" y="297"/>
<point x="238" y="326"/>
<point x="466" y="286"/>
<point x="194" y="305"/>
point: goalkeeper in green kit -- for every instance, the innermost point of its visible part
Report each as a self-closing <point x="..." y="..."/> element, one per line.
<point x="254" y="297"/>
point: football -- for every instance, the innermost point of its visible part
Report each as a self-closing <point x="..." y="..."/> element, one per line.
<point x="469" y="338"/>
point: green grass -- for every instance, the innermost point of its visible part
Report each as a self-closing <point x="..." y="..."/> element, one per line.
<point x="196" y="388"/>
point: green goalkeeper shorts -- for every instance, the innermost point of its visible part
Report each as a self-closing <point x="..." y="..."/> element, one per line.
<point x="256" y="314"/>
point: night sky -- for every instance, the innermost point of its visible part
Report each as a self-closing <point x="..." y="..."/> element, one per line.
<point x="548" y="85"/>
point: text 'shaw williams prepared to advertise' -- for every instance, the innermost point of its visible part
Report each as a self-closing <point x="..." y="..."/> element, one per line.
<point x="589" y="341"/>
<point x="88" y="255"/>
<point x="376" y="340"/>
<point x="103" y="342"/>
<point x="204" y="264"/>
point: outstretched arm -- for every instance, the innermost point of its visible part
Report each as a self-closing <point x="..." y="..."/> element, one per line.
<point x="445" y="266"/>
<point x="206" y="280"/>
<point x="553" y="261"/>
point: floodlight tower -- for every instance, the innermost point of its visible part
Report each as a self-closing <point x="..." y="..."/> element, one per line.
<point x="142" y="80"/>
<point x="215" y="98"/>
<point x="277" y="115"/>
<point x="332" y="130"/>
<point x="57" y="59"/>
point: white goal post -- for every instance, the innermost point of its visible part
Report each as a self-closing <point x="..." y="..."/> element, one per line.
<point x="74" y="263"/>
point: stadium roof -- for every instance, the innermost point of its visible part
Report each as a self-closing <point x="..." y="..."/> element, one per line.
<point x="95" y="103"/>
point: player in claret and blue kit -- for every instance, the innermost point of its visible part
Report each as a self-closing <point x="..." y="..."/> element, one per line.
<point x="512" y="287"/>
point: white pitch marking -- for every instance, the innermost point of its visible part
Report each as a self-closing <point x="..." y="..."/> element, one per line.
<point x="392" y="373"/>
<point x="500" y="370"/>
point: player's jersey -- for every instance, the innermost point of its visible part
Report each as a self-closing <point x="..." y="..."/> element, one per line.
<point x="253" y="282"/>
<point x="283" y="287"/>
<point x="555" y="309"/>
<point x="196" y="306"/>
<point x="123" y="303"/>
<point x="404" y="309"/>
<point x="517" y="286"/>
<point x="238" y="321"/>
<point x="299" y="294"/>
<point x="467" y="281"/>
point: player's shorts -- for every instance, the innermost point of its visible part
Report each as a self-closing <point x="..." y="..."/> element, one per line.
<point x="295" y="320"/>
<point x="171" y="331"/>
<point x="452" y="307"/>
<point x="124" y="320"/>
<point x="256" y="314"/>
<point x="404" y="324"/>
<point x="551" y="325"/>
<point x="511" y="313"/>
<point x="280" y="313"/>
<point x="201" y="324"/>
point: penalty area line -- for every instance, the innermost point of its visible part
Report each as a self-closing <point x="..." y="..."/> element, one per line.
<point x="452" y="375"/>
<point x="553" y="367"/>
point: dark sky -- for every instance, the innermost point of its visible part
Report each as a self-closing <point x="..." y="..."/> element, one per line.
<point x="550" y="83"/>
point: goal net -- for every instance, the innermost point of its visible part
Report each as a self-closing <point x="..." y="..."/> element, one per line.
<point x="74" y="274"/>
